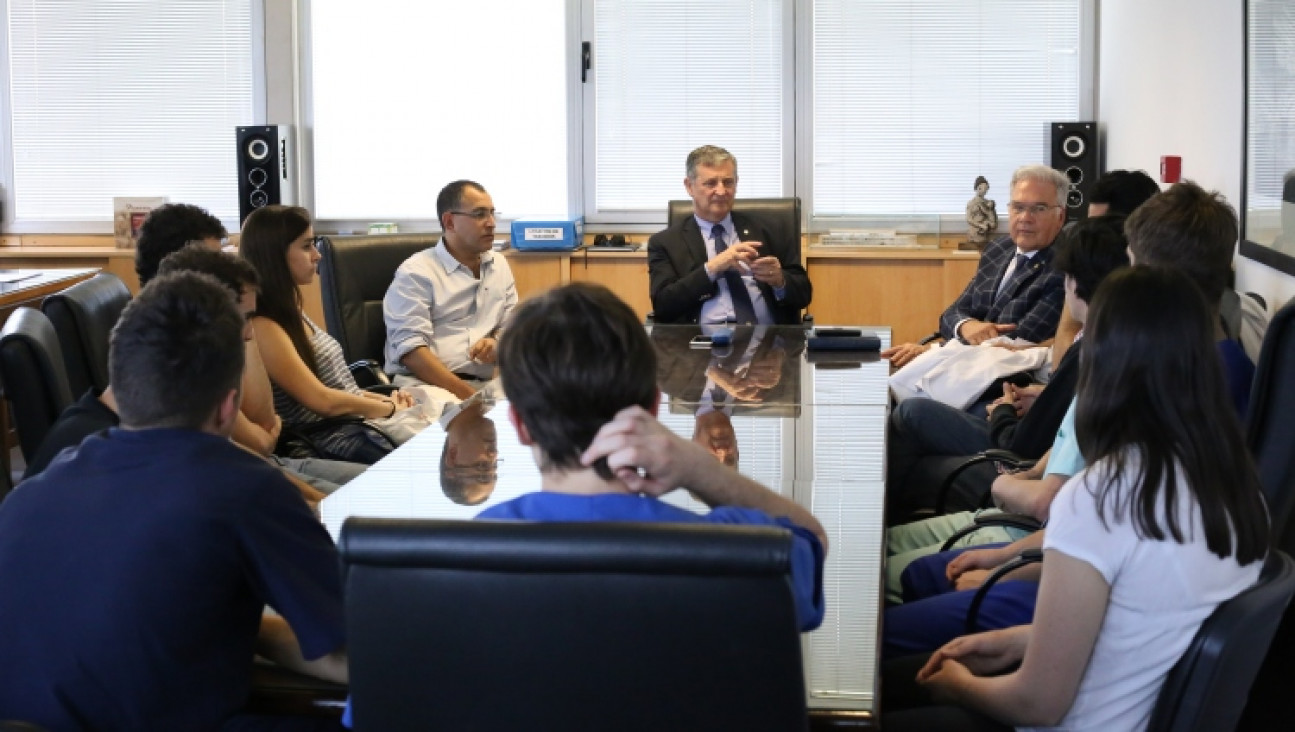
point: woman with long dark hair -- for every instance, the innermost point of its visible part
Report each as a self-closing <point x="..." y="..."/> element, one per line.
<point x="1166" y="523"/>
<point x="305" y="364"/>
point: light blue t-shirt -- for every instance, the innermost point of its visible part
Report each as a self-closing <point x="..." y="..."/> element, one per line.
<point x="1065" y="459"/>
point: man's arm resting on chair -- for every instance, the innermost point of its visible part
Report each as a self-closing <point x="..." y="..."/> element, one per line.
<point x="278" y="643"/>
<point x="425" y="366"/>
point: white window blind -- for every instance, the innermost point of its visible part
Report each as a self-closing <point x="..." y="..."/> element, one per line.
<point x="671" y="75"/>
<point x="408" y="95"/>
<point x="1270" y="134"/>
<point x="126" y="99"/>
<point x="913" y="100"/>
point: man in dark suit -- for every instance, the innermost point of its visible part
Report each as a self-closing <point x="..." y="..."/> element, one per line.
<point x="718" y="266"/>
<point x="1015" y="290"/>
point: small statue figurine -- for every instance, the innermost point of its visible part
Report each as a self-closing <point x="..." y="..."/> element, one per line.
<point x="982" y="219"/>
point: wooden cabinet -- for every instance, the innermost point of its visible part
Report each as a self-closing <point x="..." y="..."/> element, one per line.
<point x="905" y="289"/>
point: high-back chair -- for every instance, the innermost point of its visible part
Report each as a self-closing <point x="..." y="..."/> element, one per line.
<point x="1270" y="429"/>
<point x="781" y="216"/>
<point x="354" y="273"/>
<point x="32" y="376"/>
<point x="577" y="626"/>
<point x="83" y="316"/>
<point x="1206" y="690"/>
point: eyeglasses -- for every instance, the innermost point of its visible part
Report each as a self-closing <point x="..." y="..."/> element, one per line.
<point x="485" y="466"/>
<point x="480" y="214"/>
<point x="1037" y="209"/>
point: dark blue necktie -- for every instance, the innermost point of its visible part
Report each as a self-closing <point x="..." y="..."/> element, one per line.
<point x="743" y="310"/>
<point x="1022" y="267"/>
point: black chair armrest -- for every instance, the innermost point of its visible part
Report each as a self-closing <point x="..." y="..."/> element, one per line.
<point x="1029" y="556"/>
<point x="1011" y="520"/>
<point x="277" y="691"/>
<point x="1006" y="457"/>
<point x="933" y="337"/>
<point x="368" y="373"/>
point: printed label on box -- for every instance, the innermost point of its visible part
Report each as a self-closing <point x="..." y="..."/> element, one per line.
<point x="543" y="234"/>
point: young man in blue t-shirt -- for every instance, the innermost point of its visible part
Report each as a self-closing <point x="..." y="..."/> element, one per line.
<point x="580" y="375"/>
<point x="137" y="567"/>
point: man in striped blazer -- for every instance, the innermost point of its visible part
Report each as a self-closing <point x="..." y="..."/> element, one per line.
<point x="1015" y="291"/>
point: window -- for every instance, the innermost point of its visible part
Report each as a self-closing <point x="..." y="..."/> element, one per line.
<point x="1270" y="126"/>
<point x="409" y="95"/>
<point x="912" y="101"/>
<point x="671" y="75"/>
<point x="126" y="99"/>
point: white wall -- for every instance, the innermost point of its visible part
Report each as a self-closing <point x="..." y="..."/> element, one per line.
<point x="1170" y="83"/>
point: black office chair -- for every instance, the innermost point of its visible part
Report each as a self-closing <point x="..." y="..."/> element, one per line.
<point x="32" y="375"/>
<point x="1207" y="689"/>
<point x="354" y="273"/>
<point x="510" y="625"/>
<point x="781" y="216"/>
<point x="83" y="316"/>
<point x="1271" y="434"/>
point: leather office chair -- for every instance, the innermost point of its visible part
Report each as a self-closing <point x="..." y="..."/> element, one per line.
<point x="354" y="273"/>
<point x="781" y="216"/>
<point x="513" y="625"/>
<point x="32" y="376"/>
<point x="83" y="316"/>
<point x="1207" y="688"/>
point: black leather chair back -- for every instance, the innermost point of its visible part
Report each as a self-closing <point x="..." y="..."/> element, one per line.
<point x="32" y="376"/>
<point x="83" y="316"/>
<point x="517" y="625"/>
<point x="354" y="273"/>
<point x="1207" y="689"/>
<point x="1270" y="427"/>
<point x="781" y="216"/>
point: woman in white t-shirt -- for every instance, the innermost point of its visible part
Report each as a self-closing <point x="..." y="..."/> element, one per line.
<point x="1166" y="523"/>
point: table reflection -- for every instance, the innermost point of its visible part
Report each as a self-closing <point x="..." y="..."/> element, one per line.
<point x="813" y="431"/>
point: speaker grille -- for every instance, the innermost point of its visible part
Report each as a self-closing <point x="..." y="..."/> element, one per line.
<point x="1075" y="154"/>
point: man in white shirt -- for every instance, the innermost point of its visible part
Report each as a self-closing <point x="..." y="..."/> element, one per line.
<point x="446" y="304"/>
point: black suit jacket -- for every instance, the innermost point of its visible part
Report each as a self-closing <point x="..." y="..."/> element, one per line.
<point x="679" y="283"/>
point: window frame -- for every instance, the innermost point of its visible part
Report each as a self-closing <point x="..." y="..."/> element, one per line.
<point x="947" y="222"/>
<point x="257" y="14"/>
<point x="637" y="221"/>
<point x="303" y="121"/>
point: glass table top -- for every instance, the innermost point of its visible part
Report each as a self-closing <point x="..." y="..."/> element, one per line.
<point x="812" y="430"/>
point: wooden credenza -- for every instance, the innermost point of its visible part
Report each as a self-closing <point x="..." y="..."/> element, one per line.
<point x="904" y="288"/>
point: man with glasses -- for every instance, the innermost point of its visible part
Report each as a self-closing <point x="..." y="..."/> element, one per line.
<point x="1015" y="291"/>
<point x="717" y="266"/>
<point x="446" y="303"/>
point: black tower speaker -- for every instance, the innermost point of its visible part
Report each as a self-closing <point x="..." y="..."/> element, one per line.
<point x="266" y="172"/>
<point x="1074" y="153"/>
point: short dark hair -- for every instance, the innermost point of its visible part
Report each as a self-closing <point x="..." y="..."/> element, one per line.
<point x="231" y="270"/>
<point x="1153" y="414"/>
<point x="570" y="359"/>
<point x="1090" y="250"/>
<point x="176" y="352"/>
<point x="1189" y="229"/>
<point x="1123" y="190"/>
<point x="167" y="229"/>
<point x="451" y="196"/>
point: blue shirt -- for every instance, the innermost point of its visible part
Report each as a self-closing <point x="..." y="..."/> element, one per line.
<point x="133" y="575"/>
<point x="806" y="551"/>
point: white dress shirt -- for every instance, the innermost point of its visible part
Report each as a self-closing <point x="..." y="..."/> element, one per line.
<point x="435" y="301"/>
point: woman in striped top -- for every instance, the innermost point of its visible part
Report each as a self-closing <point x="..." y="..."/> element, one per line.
<point x="305" y="364"/>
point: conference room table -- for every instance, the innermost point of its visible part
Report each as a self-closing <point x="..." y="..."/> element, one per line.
<point x="808" y="424"/>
